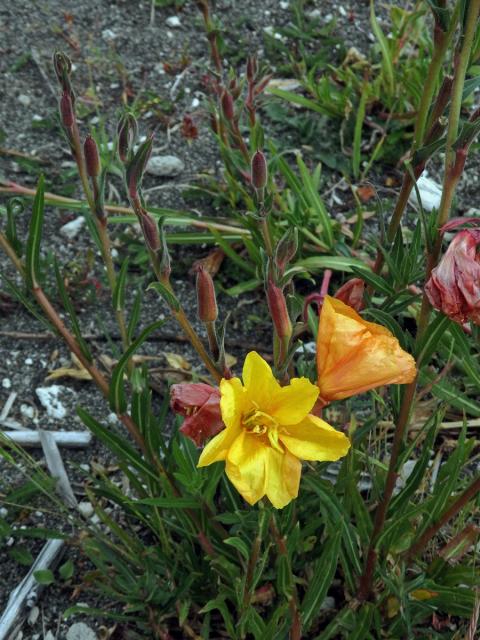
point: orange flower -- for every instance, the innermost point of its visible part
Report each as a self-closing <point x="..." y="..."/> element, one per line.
<point x="354" y="356"/>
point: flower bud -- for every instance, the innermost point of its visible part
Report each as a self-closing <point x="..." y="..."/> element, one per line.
<point x="92" y="160"/>
<point x="150" y="231"/>
<point x="206" y="297"/>
<point x="137" y="166"/>
<point x="127" y="131"/>
<point x="278" y="310"/>
<point x="62" y="65"/>
<point x="227" y="106"/>
<point x="286" y="249"/>
<point x="259" y="170"/>
<point x="454" y="285"/>
<point x="251" y="68"/>
<point x="351" y="293"/>
<point x="66" y="110"/>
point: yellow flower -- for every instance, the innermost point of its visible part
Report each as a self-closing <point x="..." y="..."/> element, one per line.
<point x="268" y="428"/>
<point x="354" y="356"/>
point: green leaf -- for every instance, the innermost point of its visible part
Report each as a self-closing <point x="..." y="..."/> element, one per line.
<point x="21" y="555"/>
<point x="429" y="343"/>
<point x="315" y="202"/>
<point x="134" y="315"/>
<point x="323" y="573"/>
<point x="296" y="98"/>
<point x="117" y="398"/>
<point x="166" y="294"/>
<point x="374" y="280"/>
<point x="44" y="576"/>
<point x="387" y="67"/>
<point x="28" y="304"/>
<point x="171" y="503"/>
<point x="336" y="263"/>
<point x="357" y="136"/>
<point x="118" y="296"/>
<point x="233" y="255"/>
<point x="66" y="570"/>
<point x="240" y="545"/>
<point x="32" y="258"/>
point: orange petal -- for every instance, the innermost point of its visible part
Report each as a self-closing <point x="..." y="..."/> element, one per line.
<point x="354" y="355"/>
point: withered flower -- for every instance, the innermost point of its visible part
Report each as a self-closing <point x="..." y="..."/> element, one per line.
<point x="200" y="404"/>
<point x="454" y="285"/>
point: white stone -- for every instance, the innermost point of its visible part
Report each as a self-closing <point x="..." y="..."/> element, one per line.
<point x="3" y="512"/>
<point x="27" y="411"/>
<point x="49" y="636"/>
<point x="173" y="22"/>
<point x="195" y="103"/>
<point x="80" y="631"/>
<point x="24" y="99"/>
<point x="71" y="229"/>
<point x="165" y="166"/>
<point x="28" y="361"/>
<point x="33" y="616"/>
<point x="86" y="509"/>
<point x="108" y="35"/>
<point x="6" y="383"/>
<point x="284" y="5"/>
<point x="50" y="399"/>
<point x="430" y="193"/>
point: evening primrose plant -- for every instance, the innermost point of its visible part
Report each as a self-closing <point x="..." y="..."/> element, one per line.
<point x="325" y="486"/>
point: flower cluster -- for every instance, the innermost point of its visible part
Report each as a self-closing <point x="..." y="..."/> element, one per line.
<point x="263" y="430"/>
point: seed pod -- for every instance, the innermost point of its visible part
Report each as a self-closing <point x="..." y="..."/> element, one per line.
<point x="278" y="310"/>
<point x="227" y="106"/>
<point x="66" y="110"/>
<point x="251" y="68"/>
<point x="259" y="170"/>
<point x="206" y="298"/>
<point x="92" y="160"/>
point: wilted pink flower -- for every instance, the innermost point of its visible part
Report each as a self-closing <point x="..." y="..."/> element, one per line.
<point x="454" y="285"/>
<point x="351" y="293"/>
<point x="200" y="404"/>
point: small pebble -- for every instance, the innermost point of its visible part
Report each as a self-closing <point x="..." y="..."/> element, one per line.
<point x="86" y="509"/>
<point x="71" y="229"/>
<point x="80" y="631"/>
<point x="25" y="100"/>
<point x="28" y="361"/>
<point x="50" y="400"/>
<point x="173" y="22"/>
<point x="108" y="35"/>
<point x="6" y="383"/>
<point x="49" y="636"/>
<point x="33" y="616"/>
<point x="27" y="411"/>
<point x="165" y="166"/>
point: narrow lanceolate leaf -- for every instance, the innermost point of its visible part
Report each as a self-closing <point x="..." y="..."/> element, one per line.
<point x="118" y="297"/>
<point x="35" y="236"/>
<point x="117" y="397"/>
<point x="387" y="66"/>
<point x="336" y="263"/>
<point x="67" y="303"/>
<point x="323" y="573"/>
<point x="169" y="297"/>
<point x="134" y="315"/>
<point x="315" y="202"/>
<point x="429" y="344"/>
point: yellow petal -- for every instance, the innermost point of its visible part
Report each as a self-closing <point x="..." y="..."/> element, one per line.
<point x="282" y="477"/>
<point x="217" y="448"/>
<point x="246" y="466"/>
<point x="354" y="356"/>
<point x="292" y="403"/>
<point x="232" y="401"/>
<point x="259" y="381"/>
<point x="314" y="439"/>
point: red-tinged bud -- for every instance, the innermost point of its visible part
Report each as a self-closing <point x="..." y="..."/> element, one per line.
<point x="454" y="285"/>
<point x="189" y="129"/>
<point x="214" y="124"/>
<point x="92" y="160"/>
<point x="137" y="166"/>
<point x="150" y="231"/>
<point x="351" y="293"/>
<point x="200" y="404"/>
<point x="127" y="131"/>
<point x="259" y="170"/>
<point x="227" y="106"/>
<point x="286" y="249"/>
<point x="278" y="311"/>
<point x="251" y="68"/>
<point x="66" y="110"/>
<point x="206" y="297"/>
